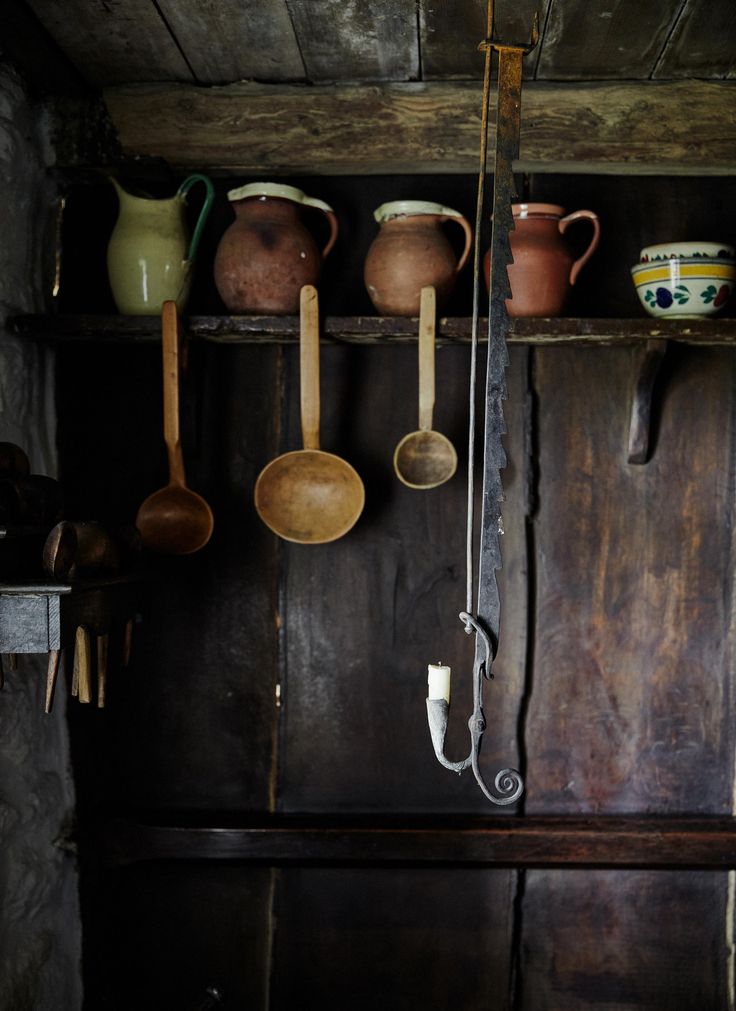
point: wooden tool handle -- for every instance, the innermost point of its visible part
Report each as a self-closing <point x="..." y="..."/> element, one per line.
<point x="83" y="664"/>
<point x="170" y="343"/>
<point x="51" y="676"/>
<point x="103" y="643"/>
<point x="309" y="365"/>
<point x="426" y="358"/>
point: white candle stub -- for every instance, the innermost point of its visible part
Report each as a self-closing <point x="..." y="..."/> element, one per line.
<point x="438" y="680"/>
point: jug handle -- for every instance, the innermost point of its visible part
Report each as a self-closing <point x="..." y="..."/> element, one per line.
<point x="449" y="215"/>
<point x="320" y="205"/>
<point x="576" y="216"/>
<point x="203" y="214"/>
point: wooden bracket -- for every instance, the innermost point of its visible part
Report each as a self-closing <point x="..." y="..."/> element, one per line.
<point x="648" y="363"/>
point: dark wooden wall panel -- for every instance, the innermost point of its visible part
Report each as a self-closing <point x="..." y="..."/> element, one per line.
<point x="630" y="710"/>
<point x="366" y="614"/>
<point x="702" y="42"/>
<point x="399" y="940"/>
<point x="235" y="40"/>
<point x="357" y="41"/>
<point x="600" y="39"/>
<point x="114" y="43"/>
<point x="624" y="940"/>
<point x="219" y="918"/>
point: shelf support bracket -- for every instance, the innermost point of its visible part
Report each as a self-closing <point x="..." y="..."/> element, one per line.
<point x="648" y="362"/>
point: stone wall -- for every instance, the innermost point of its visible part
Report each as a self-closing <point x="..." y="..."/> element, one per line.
<point x="40" y="934"/>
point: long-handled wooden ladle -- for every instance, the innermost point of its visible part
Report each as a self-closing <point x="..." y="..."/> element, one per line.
<point x="174" y="520"/>
<point x="425" y="458"/>
<point x="309" y="496"/>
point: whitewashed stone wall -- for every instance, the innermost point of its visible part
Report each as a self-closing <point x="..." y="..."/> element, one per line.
<point x="40" y="937"/>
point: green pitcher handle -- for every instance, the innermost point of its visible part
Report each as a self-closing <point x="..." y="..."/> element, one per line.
<point x="203" y="214"/>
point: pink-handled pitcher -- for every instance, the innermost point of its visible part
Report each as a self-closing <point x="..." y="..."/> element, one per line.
<point x="544" y="269"/>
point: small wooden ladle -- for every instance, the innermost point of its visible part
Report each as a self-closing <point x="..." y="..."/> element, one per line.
<point x="174" y="520"/>
<point x="309" y="496"/>
<point x="425" y="459"/>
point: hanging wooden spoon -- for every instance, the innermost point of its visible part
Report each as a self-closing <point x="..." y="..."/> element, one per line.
<point x="425" y="459"/>
<point x="309" y="496"/>
<point x="174" y="520"/>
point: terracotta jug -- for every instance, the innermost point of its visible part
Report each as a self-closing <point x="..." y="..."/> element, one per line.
<point x="544" y="270"/>
<point x="411" y="252"/>
<point x="149" y="255"/>
<point x="267" y="254"/>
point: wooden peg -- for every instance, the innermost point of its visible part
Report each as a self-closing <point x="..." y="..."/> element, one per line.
<point x="103" y="642"/>
<point x="83" y="664"/>
<point x="127" y="642"/>
<point x="51" y="676"/>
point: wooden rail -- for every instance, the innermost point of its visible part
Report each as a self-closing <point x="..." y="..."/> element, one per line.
<point x="373" y="330"/>
<point x="655" y="842"/>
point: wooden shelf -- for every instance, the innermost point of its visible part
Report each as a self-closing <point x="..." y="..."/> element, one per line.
<point x="655" y="842"/>
<point x="372" y="330"/>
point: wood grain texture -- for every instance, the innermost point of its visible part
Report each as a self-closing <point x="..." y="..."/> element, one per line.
<point x="264" y="330"/>
<point x="619" y="940"/>
<point x="629" y="710"/>
<point x="601" y="39"/>
<point x="357" y="41"/>
<point x="235" y="40"/>
<point x="353" y="708"/>
<point x="600" y="841"/>
<point x="113" y="42"/>
<point x="701" y="43"/>
<point x="434" y="127"/>
<point x="365" y="938"/>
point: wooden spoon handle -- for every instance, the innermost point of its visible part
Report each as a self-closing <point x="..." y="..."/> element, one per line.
<point x="426" y="358"/>
<point x="309" y="365"/>
<point x="83" y="664"/>
<point x="51" y="676"/>
<point x="170" y="343"/>
<point x="103" y="642"/>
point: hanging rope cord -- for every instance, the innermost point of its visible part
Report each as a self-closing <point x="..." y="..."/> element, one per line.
<point x="470" y="577"/>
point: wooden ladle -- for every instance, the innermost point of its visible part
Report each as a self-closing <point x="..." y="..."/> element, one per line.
<point x="174" y="520"/>
<point x="425" y="459"/>
<point x="309" y="496"/>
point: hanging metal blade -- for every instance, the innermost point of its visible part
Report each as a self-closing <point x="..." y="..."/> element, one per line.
<point x="508" y="119"/>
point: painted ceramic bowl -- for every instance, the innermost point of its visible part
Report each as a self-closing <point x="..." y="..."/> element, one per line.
<point x="684" y="288"/>
<point x="694" y="250"/>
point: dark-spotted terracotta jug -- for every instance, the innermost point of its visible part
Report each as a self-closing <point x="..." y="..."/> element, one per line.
<point x="267" y="255"/>
<point x="544" y="268"/>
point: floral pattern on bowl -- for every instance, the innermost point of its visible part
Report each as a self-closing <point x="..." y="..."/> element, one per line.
<point x="681" y="287"/>
<point x="686" y="250"/>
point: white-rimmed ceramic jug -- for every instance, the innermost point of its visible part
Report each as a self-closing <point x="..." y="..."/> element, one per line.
<point x="411" y="252"/>
<point x="268" y="254"/>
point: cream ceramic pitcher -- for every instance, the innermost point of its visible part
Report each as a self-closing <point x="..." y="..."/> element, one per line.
<point x="149" y="256"/>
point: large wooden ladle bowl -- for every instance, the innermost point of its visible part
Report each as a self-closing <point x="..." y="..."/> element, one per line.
<point x="174" y="520"/>
<point x="309" y="496"/>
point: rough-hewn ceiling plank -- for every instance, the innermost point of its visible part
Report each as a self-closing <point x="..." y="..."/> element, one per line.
<point x="235" y="40"/>
<point x="113" y="41"/>
<point x="604" y="39"/>
<point x="450" y="31"/>
<point x="702" y="43"/>
<point x="281" y="129"/>
<point x="351" y="40"/>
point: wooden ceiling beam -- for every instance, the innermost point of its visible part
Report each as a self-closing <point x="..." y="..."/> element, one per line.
<point x="684" y="127"/>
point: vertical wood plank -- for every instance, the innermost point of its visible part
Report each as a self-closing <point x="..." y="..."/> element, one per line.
<point x="603" y="39"/>
<point x="450" y="31"/>
<point x="356" y="41"/>
<point x="113" y="42"/>
<point x="363" y="939"/>
<point x="630" y="708"/>
<point x="235" y="40"/>
<point x="701" y="43"/>
<point x="366" y="614"/>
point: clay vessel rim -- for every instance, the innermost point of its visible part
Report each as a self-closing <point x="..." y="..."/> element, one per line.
<point x="533" y="210"/>
<point x="675" y="263"/>
<point x="278" y="190"/>
<point x="412" y="208"/>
